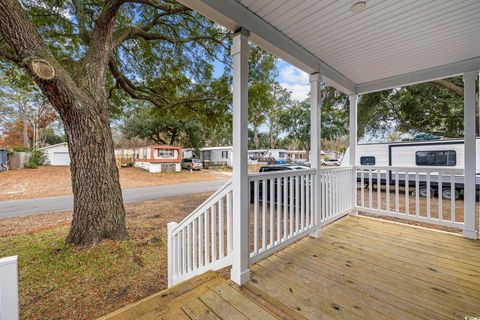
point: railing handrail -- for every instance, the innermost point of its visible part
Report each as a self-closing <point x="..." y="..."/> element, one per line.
<point x="276" y="174"/>
<point x="413" y="169"/>
<point x="334" y="169"/>
<point x="216" y="196"/>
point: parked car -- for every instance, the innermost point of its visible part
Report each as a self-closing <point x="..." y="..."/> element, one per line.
<point x="331" y="162"/>
<point x="192" y="164"/>
<point x="272" y="168"/>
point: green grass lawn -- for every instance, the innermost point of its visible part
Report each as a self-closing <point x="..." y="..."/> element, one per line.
<point x="60" y="281"/>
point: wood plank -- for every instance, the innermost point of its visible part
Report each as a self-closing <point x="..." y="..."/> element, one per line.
<point x="429" y="274"/>
<point x="433" y="237"/>
<point x="180" y="301"/>
<point x="314" y="298"/>
<point x="197" y="310"/>
<point x="363" y="300"/>
<point x="161" y="298"/>
<point x="220" y="307"/>
<point x="447" y="257"/>
<point x="469" y="250"/>
<point x="346" y="263"/>
<point x="270" y="303"/>
<point x="408" y="256"/>
<point x="242" y="302"/>
<point x="295" y="298"/>
<point x="350" y="273"/>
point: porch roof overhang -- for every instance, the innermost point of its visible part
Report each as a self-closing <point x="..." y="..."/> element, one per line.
<point x="387" y="45"/>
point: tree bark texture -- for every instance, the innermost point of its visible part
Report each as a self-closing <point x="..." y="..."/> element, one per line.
<point x="81" y="101"/>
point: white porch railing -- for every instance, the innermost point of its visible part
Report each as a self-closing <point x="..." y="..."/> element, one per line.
<point x="337" y="192"/>
<point x="281" y="210"/>
<point x="409" y="193"/>
<point x="203" y="240"/>
<point x="9" y="288"/>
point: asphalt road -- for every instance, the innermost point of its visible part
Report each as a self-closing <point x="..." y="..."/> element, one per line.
<point x="15" y="208"/>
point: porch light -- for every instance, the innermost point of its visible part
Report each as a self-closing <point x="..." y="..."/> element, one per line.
<point x="358" y="7"/>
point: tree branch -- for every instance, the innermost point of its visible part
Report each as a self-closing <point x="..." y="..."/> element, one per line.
<point x="445" y="84"/>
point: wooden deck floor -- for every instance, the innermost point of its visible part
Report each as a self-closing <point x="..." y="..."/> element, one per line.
<point x="361" y="268"/>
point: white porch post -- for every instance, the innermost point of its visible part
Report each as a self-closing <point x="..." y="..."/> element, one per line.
<point x="353" y="148"/>
<point x="469" y="230"/>
<point x="240" y="253"/>
<point x="315" y="145"/>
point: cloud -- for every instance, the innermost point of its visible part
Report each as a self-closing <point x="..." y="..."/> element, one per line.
<point x="294" y="80"/>
<point x="299" y="91"/>
<point x="293" y="75"/>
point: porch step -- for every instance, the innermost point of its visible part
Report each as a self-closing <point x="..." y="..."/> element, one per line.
<point x="207" y="296"/>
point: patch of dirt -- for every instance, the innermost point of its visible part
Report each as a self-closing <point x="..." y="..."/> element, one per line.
<point x="58" y="281"/>
<point x="56" y="180"/>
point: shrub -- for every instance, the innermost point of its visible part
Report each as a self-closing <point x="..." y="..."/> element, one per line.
<point x="37" y="158"/>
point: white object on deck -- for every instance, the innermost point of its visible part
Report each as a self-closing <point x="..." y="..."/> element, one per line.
<point x="9" y="288"/>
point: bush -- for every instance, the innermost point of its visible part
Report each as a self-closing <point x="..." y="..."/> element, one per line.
<point x="37" y="158"/>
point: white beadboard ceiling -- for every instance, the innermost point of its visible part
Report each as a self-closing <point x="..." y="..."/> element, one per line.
<point x="389" y="44"/>
<point x="388" y="38"/>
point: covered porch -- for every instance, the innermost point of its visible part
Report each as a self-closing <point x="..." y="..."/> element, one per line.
<point x="359" y="268"/>
<point x="293" y="240"/>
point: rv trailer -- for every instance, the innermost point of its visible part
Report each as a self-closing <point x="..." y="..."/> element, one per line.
<point x="428" y="155"/>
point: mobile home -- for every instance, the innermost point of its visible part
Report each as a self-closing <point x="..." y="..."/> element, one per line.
<point x="217" y="156"/>
<point x="440" y="154"/>
<point x="158" y="158"/>
<point x="276" y="156"/>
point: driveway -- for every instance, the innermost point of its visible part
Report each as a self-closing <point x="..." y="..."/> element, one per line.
<point x="15" y="208"/>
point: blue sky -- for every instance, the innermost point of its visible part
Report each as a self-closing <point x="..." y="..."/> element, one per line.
<point x="290" y="77"/>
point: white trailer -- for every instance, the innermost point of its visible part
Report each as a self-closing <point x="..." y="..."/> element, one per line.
<point x="445" y="154"/>
<point x="217" y="156"/>
<point x="278" y="156"/>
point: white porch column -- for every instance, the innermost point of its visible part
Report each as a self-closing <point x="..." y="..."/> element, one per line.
<point x="469" y="230"/>
<point x="240" y="253"/>
<point x="315" y="145"/>
<point x="353" y="147"/>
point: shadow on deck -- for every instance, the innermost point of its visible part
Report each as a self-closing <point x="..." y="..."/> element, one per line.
<point x="361" y="268"/>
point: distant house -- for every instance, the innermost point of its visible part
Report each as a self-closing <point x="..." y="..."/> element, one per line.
<point x="155" y="158"/>
<point x="217" y="156"/>
<point x="57" y="154"/>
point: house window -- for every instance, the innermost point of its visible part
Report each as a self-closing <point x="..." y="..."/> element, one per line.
<point x="367" y="161"/>
<point x="165" y="153"/>
<point x="224" y="154"/>
<point x="282" y="155"/>
<point x="436" y="158"/>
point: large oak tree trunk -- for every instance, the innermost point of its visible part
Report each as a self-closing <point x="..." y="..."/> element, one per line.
<point x="80" y="98"/>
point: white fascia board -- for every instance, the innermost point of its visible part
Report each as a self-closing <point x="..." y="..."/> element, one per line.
<point x="435" y="73"/>
<point x="232" y="15"/>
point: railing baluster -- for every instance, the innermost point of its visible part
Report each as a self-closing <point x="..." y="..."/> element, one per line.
<point x="297" y="204"/>
<point x="255" y="217"/>
<point x="407" y="198"/>
<point x="291" y="204"/>
<point x="440" y="200"/>
<point x="200" y="241"/>
<point x="379" y="190"/>
<point x="279" y="208"/>
<point x="285" y="207"/>
<point x="387" y="189"/>
<point x="452" y="198"/>
<point x="184" y="254"/>
<point x="213" y="221"/>
<point x="397" y="191"/>
<point x="428" y="195"/>
<point x="264" y="213"/>
<point x="207" y="237"/>
<point x="302" y="202"/>
<point x="221" y="231"/>
<point x="370" y="189"/>
<point x="417" y="194"/>
<point x="189" y="251"/>
<point x="362" y="187"/>
<point x="229" y="222"/>
<point x="272" y="209"/>
<point x="307" y="200"/>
